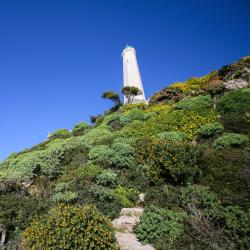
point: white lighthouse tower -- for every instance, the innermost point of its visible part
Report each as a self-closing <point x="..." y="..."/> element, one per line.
<point x="131" y="73"/>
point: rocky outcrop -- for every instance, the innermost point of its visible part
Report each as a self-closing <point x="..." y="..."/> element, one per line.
<point x="3" y="233"/>
<point x="236" y="84"/>
<point x="124" y="225"/>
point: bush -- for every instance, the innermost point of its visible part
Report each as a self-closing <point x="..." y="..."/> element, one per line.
<point x="175" y="136"/>
<point x="187" y="121"/>
<point x="209" y="130"/>
<point x="101" y="155"/>
<point x="176" y="163"/>
<point x="237" y="101"/>
<point x="199" y="103"/>
<point x="70" y="227"/>
<point x="87" y="173"/>
<point x="17" y="212"/>
<point x="201" y="198"/>
<point x="230" y="140"/>
<point x="194" y="85"/>
<point x="62" y="193"/>
<point x="132" y="115"/>
<point x="158" y="224"/>
<point x="237" y="225"/>
<point x="80" y="128"/>
<point x="61" y="134"/>
<point x="127" y="196"/>
<point x="122" y="155"/>
<point x="101" y="135"/>
<point x="102" y="194"/>
<point x="106" y="178"/>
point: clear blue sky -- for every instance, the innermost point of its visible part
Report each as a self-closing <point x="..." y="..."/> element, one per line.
<point x="57" y="57"/>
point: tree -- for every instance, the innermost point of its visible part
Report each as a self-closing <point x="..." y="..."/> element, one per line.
<point x="214" y="88"/>
<point x="114" y="97"/>
<point x="131" y="92"/>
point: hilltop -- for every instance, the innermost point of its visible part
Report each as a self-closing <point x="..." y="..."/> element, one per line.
<point x="188" y="150"/>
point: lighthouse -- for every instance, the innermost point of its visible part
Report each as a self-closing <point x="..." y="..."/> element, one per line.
<point x="131" y="73"/>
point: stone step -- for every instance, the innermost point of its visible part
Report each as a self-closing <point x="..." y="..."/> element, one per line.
<point x="125" y="223"/>
<point x="128" y="241"/>
<point x="134" y="211"/>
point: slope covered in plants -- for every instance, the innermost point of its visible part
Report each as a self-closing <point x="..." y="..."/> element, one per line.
<point x="188" y="150"/>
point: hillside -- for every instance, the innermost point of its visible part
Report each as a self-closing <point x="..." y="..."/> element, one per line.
<point x="188" y="151"/>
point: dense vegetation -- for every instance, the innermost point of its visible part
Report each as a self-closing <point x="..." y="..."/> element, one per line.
<point x="188" y="151"/>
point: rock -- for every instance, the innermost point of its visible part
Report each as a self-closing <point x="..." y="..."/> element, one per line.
<point x="128" y="241"/>
<point x="2" y="234"/>
<point x="136" y="211"/>
<point x="236" y="84"/>
<point x="124" y="225"/>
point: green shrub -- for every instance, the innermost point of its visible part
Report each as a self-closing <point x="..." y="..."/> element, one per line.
<point x="158" y="224"/>
<point x="187" y="121"/>
<point x="61" y="134"/>
<point x="201" y="198"/>
<point x="237" y="101"/>
<point x="176" y="136"/>
<point x="209" y="130"/>
<point x="80" y="128"/>
<point x="62" y="193"/>
<point x="65" y="197"/>
<point x="164" y="196"/>
<point x="106" y="178"/>
<point x="17" y="212"/>
<point x="199" y="103"/>
<point x="123" y="155"/>
<point x="176" y="163"/>
<point x="132" y="115"/>
<point x="101" y="155"/>
<point x="70" y="227"/>
<point x="100" y="135"/>
<point x="88" y="172"/>
<point x="237" y="225"/>
<point x="127" y="196"/>
<point x="230" y="140"/>
<point x="102" y="194"/>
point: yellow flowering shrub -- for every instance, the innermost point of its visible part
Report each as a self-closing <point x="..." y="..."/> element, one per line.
<point x="70" y="227"/>
<point x="175" y="163"/>
<point x="193" y="85"/>
<point x="187" y="121"/>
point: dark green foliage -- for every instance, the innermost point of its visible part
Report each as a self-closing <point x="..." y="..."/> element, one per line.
<point x="209" y="130"/>
<point x="123" y="155"/>
<point x="230" y="140"/>
<point x="62" y="193"/>
<point x="61" y="134"/>
<point x="165" y="196"/>
<point x="18" y="210"/>
<point x="201" y="198"/>
<point x="114" y="97"/>
<point x="80" y="128"/>
<point x="106" y="178"/>
<point x="102" y="194"/>
<point x="237" y="224"/>
<point x="101" y="155"/>
<point x="198" y="103"/>
<point x="237" y="101"/>
<point x="176" y="163"/>
<point x="226" y="172"/>
<point x="160" y="226"/>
